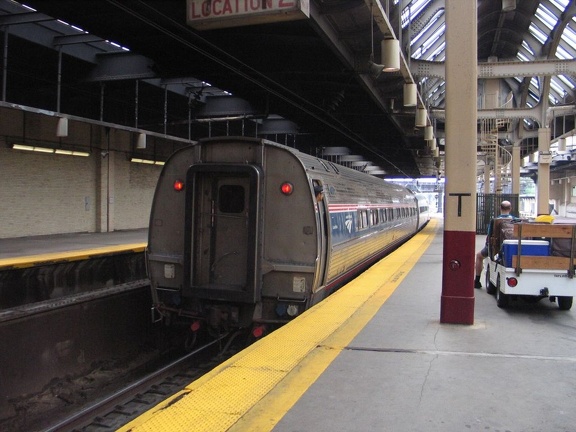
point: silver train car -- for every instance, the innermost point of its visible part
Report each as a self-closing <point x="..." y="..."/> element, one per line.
<point x="238" y="238"/>
<point x="424" y="213"/>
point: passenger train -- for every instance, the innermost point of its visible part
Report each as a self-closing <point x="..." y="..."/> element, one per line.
<point x="238" y="237"/>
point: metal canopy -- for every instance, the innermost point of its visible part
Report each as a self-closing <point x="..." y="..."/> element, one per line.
<point x="312" y="73"/>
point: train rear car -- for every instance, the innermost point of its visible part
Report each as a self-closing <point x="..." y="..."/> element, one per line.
<point x="238" y="236"/>
<point x="233" y="233"/>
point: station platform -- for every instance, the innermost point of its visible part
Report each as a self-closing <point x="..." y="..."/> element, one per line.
<point x="375" y="357"/>
<point x="24" y="252"/>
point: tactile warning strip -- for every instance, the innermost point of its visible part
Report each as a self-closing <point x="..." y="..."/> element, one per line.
<point x="77" y="255"/>
<point x="219" y="399"/>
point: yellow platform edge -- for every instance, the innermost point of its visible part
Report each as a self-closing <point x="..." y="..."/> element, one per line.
<point x="254" y="389"/>
<point x="75" y="255"/>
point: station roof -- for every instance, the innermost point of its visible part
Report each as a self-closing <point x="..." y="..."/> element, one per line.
<point x="313" y="83"/>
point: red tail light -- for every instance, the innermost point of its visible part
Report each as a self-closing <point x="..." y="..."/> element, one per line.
<point x="512" y="281"/>
<point x="287" y="188"/>
<point x="178" y="185"/>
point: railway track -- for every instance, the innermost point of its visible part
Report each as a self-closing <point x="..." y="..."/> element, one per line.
<point x="85" y="362"/>
<point x="117" y="409"/>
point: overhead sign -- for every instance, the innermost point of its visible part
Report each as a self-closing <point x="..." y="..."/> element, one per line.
<point x="211" y="14"/>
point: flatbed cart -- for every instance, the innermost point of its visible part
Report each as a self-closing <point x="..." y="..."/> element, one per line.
<point x="537" y="263"/>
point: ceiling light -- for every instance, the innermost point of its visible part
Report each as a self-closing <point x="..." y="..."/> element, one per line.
<point x="71" y="152"/>
<point x="508" y="5"/>
<point x="49" y="150"/>
<point x="62" y="127"/>
<point x="391" y="55"/>
<point x="141" y="143"/>
<point x="147" y="161"/>
<point x="409" y="94"/>
<point x="375" y="69"/>
<point x="421" y="115"/>
<point x="32" y="148"/>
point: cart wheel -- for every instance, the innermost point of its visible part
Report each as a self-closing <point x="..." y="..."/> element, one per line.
<point x="502" y="300"/>
<point x="490" y="287"/>
<point x="564" y="303"/>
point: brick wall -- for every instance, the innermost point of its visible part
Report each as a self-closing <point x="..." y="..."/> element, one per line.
<point x="43" y="194"/>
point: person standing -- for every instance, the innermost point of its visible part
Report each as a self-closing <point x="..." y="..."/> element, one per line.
<point x="505" y="209"/>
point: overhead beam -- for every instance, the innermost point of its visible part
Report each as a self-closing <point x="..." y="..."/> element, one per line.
<point x="24" y="18"/>
<point x="76" y="39"/>
<point x="507" y="69"/>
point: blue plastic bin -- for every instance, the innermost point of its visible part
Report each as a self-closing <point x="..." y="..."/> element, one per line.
<point x="529" y="247"/>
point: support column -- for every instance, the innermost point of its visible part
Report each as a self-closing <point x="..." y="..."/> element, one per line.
<point x="516" y="169"/>
<point x="544" y="159"/>
<point x="487" y="177"/>
<point x="105" y="193"/>
<point x="457" y="303"/>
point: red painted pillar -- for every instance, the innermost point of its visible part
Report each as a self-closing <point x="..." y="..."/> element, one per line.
<point x="457" y="303"/>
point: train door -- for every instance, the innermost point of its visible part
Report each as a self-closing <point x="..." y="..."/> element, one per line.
<point x="323" y="224"/>
<point x="222" y="234"/>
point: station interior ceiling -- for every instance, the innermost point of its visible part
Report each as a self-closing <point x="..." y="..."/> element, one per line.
<point x="315" y="83"/>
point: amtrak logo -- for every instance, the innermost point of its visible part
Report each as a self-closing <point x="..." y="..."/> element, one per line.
<point x="348" y="223"/>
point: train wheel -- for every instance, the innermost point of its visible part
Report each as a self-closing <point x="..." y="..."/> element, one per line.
<point x="502" y="300"/>
<point x="564" y="303"/>
<point x="490" y="287"/>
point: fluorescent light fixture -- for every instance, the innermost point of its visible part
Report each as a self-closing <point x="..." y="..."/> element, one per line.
<point x="24" y="147"/>
<point x="146" y="161"/>
<point x="72" y="152"/>
<point x="32" y="148"/>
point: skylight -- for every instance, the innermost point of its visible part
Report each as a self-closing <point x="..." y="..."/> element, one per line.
<point x="546" y="17"/>
<point x="412" y="10"/>
<point x="537" y="33"/>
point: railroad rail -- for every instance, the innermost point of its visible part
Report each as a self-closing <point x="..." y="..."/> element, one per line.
<point x="119" y="408"/>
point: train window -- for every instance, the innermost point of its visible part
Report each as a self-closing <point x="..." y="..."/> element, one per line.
<point x="390" y="214"/>
<point x="231" y="199"/>
<point x="362" y="219"/>
<point x="374" y="219"/>
<point x="383" y="215"/>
